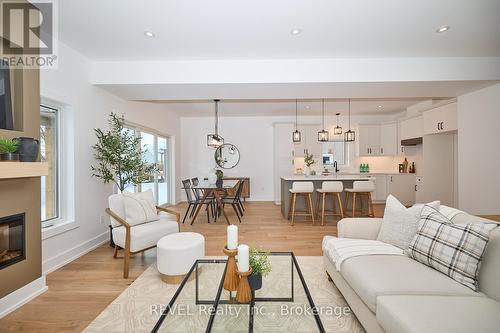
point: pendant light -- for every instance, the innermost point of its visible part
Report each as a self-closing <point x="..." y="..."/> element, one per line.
<point x="323" y="135"/>
<point x="349" y="136"/>
<point x="337" y="130"/>
<point x="296" y="137"/>
<point x="215" y="140"/>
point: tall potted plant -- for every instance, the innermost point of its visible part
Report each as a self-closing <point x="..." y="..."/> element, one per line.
<point x="259" y="262"/>
<point x="119" y="156"/>
<point x="8" y="149"/>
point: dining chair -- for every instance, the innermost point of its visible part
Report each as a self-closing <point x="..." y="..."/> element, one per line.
<point x="235" y="201"/>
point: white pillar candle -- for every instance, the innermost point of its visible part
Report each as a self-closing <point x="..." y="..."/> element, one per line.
<point x="232" y="237"/>
<point x="243" y="258"/>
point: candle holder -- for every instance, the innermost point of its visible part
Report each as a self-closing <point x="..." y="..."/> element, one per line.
<point x="231" y="279"/>
<point x="244" y="293"/>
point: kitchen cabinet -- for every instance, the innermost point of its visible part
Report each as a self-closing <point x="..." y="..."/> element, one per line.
<point x="412" y="128"/>
<point x="402" y="186"/>
<point x="441" y="119"/>
<point x="378" y="140"/>
<point x="369" y="140"/>
<point x="389" y="139"/>
<point x="380" y="194"/>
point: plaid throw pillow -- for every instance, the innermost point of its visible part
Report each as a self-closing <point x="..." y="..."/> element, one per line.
<point x="452" y="249"/>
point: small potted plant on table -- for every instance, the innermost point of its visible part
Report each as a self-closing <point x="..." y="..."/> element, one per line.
<point x="259" y="262"/>
<point x="8" y="149"/>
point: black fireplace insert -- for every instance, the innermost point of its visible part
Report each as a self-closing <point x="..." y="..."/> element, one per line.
<point x="12" y="240"/>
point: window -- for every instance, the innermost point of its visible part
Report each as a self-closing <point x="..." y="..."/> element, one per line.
<point x="49" y="152"/>
<point x="335" y="151"/>
<point x="157" y="151"/>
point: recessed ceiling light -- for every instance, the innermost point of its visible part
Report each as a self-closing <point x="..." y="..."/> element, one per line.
<point x="379" y="106"/>
<point x="295" y="32"/>
<point x="149" y="34"/>
<point x="443" y="29"/>
<point x="307" y="107"/>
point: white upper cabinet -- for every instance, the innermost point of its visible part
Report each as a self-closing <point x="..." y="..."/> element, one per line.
<point x="389" y="139"/>
<point x="378" y="140"/>
<point x="412" y="128"/>
<point x="441" y="119"/>
<point x="369" y="140"/>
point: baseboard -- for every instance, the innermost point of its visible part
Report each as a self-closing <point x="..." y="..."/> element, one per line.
<point x="73" y="253"/>
<point x="21" y="296"/>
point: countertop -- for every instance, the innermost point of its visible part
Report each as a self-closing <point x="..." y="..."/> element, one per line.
<point x="331" y="177"/>
<point x="347" y="176"/>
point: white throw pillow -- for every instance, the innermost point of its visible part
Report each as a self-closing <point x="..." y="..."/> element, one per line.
<point x="400" y="224"/>
<point x="140" y="207"/>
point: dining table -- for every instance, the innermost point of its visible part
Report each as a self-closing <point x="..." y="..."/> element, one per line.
<point x="217" y="190"/>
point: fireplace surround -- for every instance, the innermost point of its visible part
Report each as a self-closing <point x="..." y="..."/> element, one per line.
<point x="12" y="239"/>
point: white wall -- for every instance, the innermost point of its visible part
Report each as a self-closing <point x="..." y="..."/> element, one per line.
<point x="254" y="138"/>
<point x="69" y="85"/>
<point x="479" y="152"/>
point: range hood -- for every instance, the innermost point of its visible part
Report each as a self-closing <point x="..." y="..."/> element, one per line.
<point x="412" y="142"/>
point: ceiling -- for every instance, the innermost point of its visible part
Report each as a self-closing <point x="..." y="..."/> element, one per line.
<point x="113" y="30"/>
<point x="246" y="108"/>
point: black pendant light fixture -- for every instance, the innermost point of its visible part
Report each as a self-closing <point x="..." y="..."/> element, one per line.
<point x="296" y="136"/>
<point x="323" y="135"/>
<point x="337" y="130"/>
<point x="215" y="140"/>
<point x="349" y="136"/>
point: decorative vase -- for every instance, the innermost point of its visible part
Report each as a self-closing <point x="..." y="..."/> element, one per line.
<point x="28" y="149"/>
<point x="212" y="178"/>
<point x="255" y="281"/>
<point x="9" y="157"/>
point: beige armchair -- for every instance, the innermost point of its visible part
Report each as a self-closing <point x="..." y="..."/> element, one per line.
<point x="139" y="237"/>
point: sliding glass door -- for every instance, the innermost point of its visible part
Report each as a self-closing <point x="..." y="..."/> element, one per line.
<point x="156" y="150"/>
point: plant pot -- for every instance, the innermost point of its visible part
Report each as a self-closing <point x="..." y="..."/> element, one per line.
<point x="219" y="183"/>
<point x="9" y="157"/>
<point x="28" y="149"/>
<point x="255" y="281"/>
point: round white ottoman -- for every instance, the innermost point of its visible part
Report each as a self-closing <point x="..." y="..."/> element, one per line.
<point x="176" y="254"/>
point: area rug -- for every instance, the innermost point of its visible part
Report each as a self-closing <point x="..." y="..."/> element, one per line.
<point x="138" y="308"/>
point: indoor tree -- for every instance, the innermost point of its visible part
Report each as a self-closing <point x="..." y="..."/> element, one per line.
<point x="119" y="156"/>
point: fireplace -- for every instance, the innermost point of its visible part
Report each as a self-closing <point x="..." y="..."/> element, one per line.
<point x="12" y="240"/>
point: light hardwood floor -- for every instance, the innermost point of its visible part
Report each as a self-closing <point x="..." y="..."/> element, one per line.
<point x="79" y="291"/>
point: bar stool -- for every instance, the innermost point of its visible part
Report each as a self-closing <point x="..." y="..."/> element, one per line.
<point x="360" y="189"/>
<point x="304" y="189"/>
<point x="334" y="188"/>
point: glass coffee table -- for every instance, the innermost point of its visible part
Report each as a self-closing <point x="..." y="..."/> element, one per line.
<point x="201" y="304"/>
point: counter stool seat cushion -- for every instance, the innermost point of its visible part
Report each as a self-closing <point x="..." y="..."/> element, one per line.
<point x="302" y="187"/>
<point x="361" y="186"/>
<point x="331" y="187"/>
<point x="176" y="253"/>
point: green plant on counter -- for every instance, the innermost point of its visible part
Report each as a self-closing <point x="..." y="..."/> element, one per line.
<point x="308" y="159"/>
<point x="259" y="262"/>
<point x="8" y="146"/>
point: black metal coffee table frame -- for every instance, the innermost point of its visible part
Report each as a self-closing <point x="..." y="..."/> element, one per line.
<point x="231" y="300"/>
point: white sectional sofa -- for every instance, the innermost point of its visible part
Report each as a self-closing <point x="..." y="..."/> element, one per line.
<point x="396" y="294"/>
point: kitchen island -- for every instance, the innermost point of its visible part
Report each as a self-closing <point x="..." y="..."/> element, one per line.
<point x="317" y="180"/>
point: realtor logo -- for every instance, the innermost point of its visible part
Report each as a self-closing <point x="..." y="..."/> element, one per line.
<point x="28" y="33"/>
